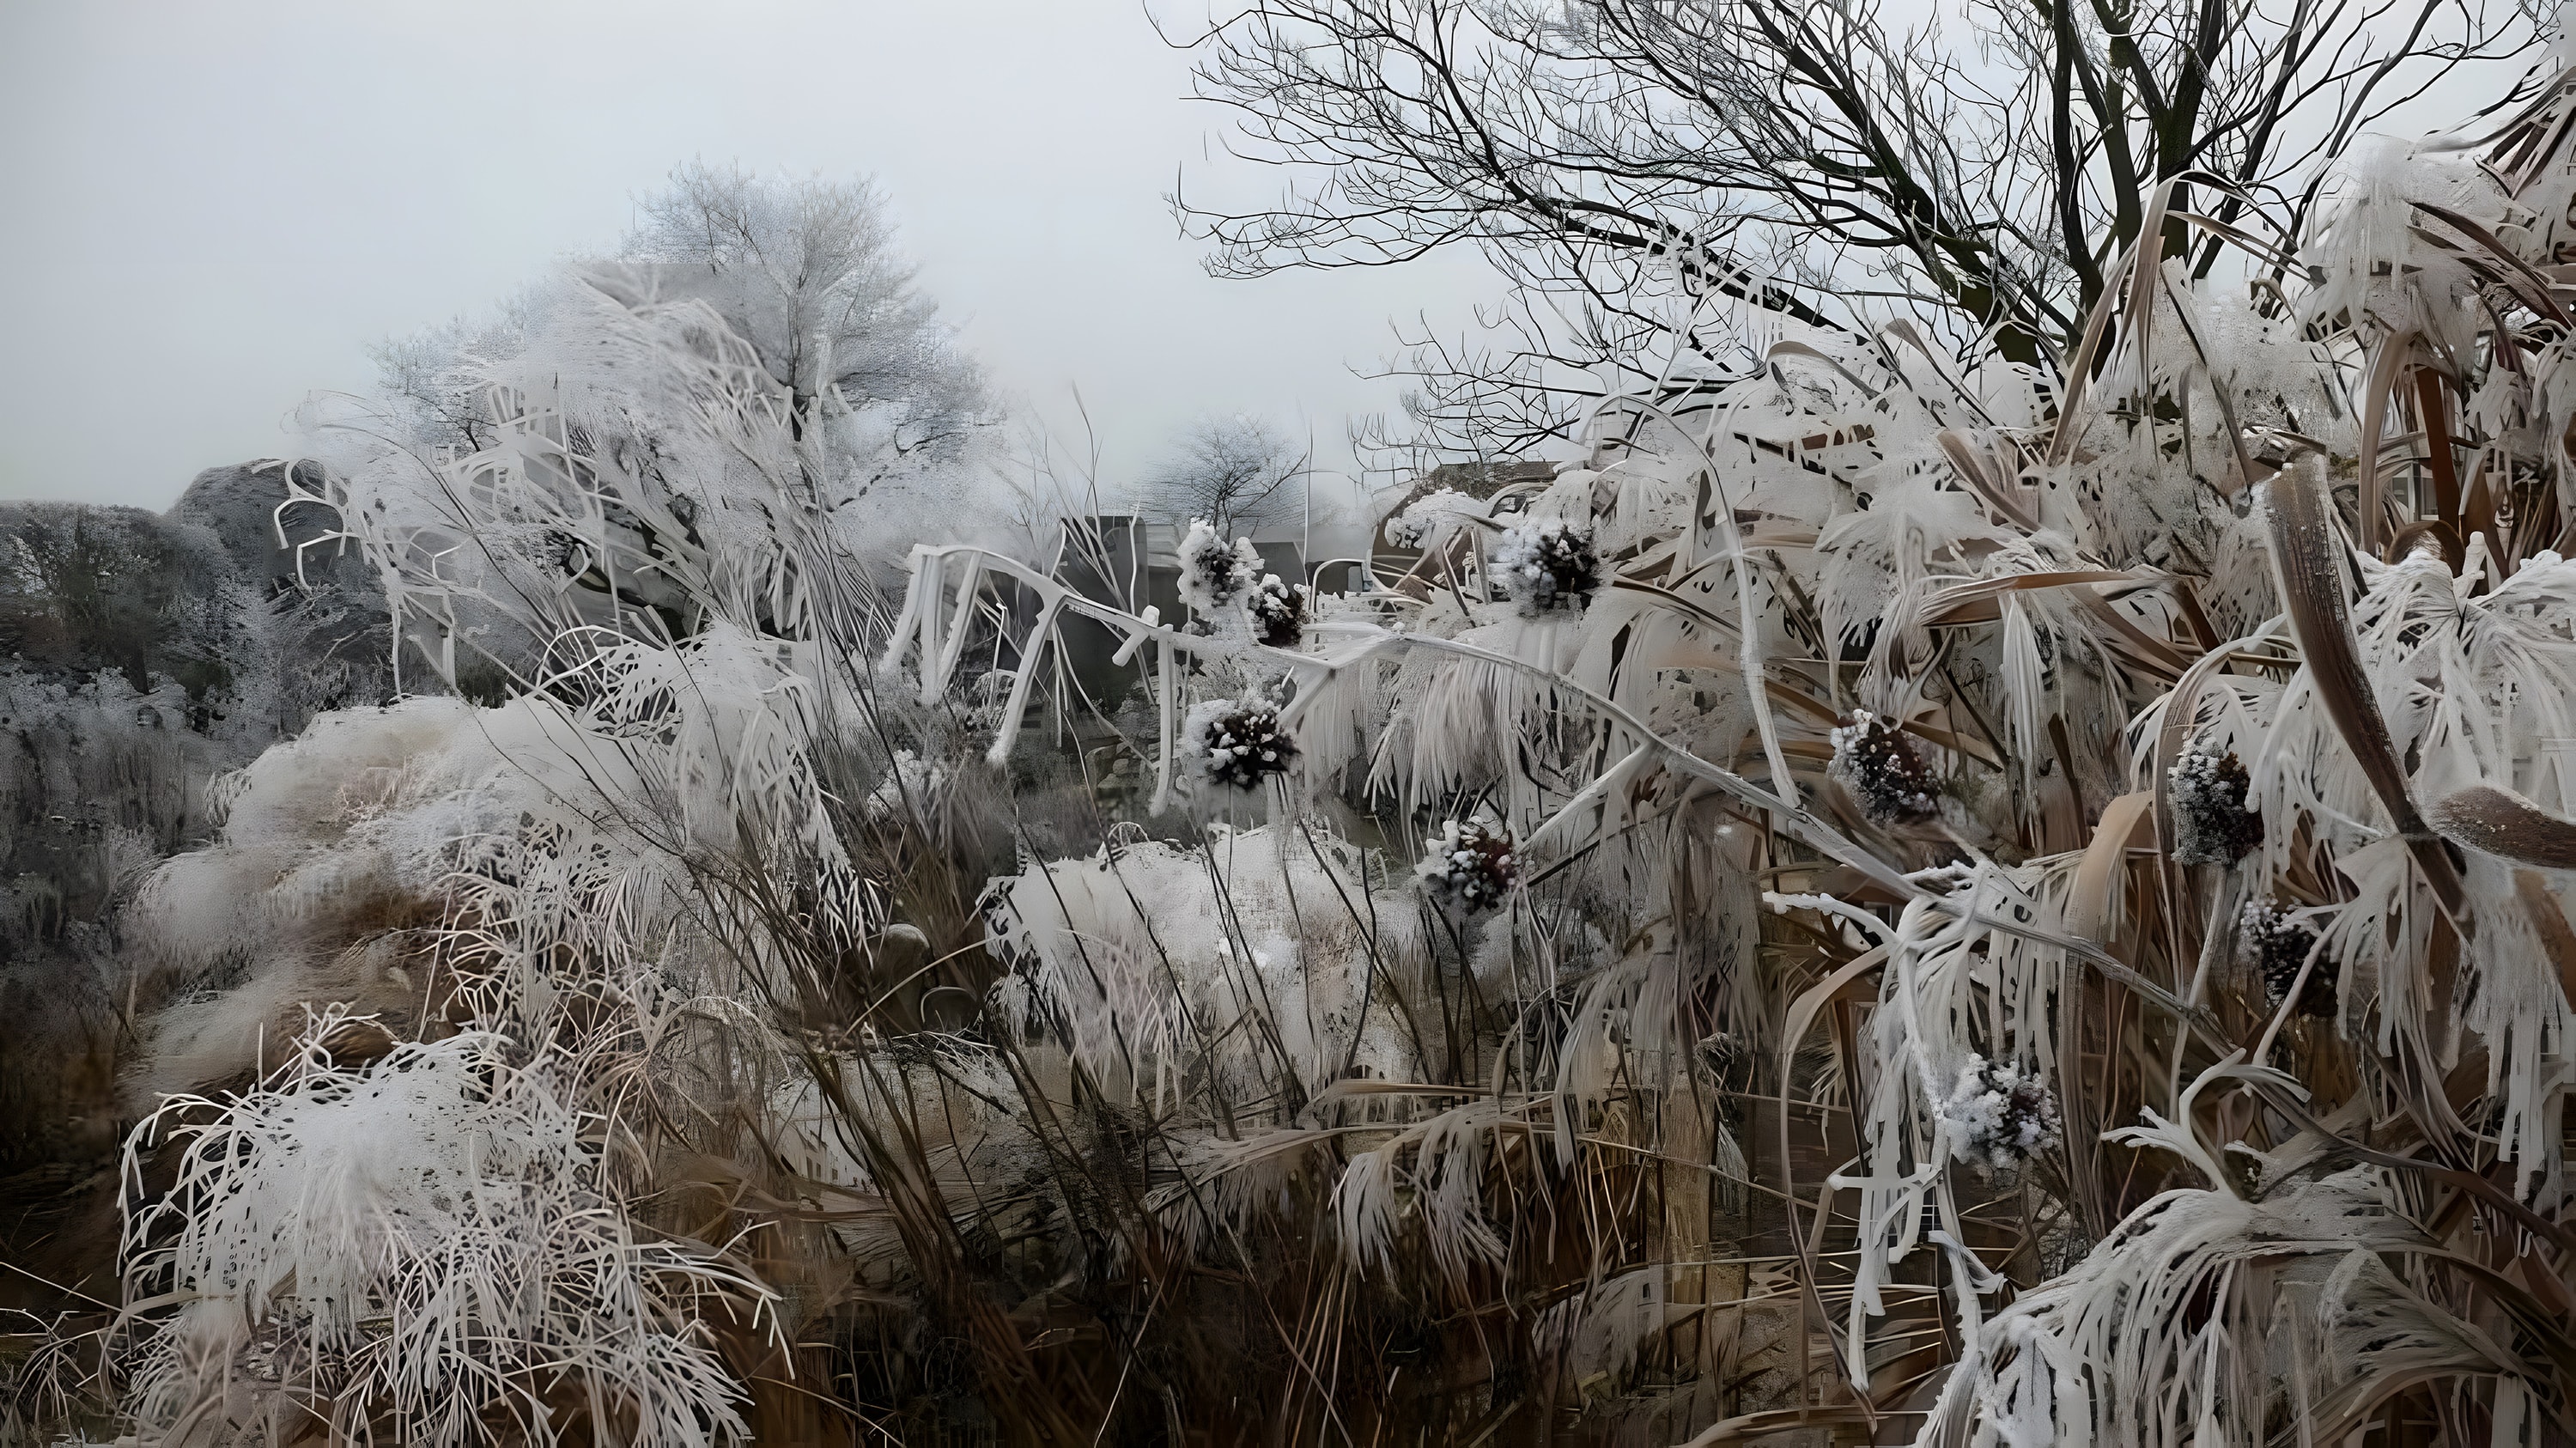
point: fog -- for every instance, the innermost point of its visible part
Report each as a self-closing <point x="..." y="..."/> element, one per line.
<point x="220" y="208"/>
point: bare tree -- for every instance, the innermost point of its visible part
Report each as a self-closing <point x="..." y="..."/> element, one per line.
<point x="1616" y="157"/>
<point x="428" y="374"/>
<point x="755" y="362"/>
<point x="807" y="272"/>
<point x="1237" y="472"/>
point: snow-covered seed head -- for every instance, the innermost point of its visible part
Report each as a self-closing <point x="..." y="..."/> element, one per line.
<point x="1722" y="1052"/>
<point x="1278" y="612"/>
<point x="1215" y="575"/>
<point x="1470" y="864"/>
<point x="1548" y="565"/>
<point x="1431" y="519"/>
<point x="1880" y="766"/>
<point x="2275" y="944"/>
<point x="1238" y="741"/>
<point x="2213" y="823"/>
<point x="2001" y="1116"/>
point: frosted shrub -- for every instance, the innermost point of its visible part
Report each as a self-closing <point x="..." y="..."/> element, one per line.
<point x="1432" y="519"/>
<point x="1155" y="963"/>
<point x="2000" y="1116"/>
<point x="431" y="1245"/>
<point x="1215" y="574"/>
<point x="1548" y="565"/>
<point x="2214" y="824"/>
<point x="1238" y="742"/>
<point x="1469" y="864"/>
<point x="1884" y="772"/>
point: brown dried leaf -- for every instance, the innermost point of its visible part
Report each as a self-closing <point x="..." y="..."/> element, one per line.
<point x="2309" y="552"/>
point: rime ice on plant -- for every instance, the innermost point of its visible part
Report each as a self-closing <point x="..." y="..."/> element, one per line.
<point x="1470" y="864"/>
<point x="2277" y="944"/>
<point x="1421" y="525"/>
<point x="1238" y="741"/>
<point x="2213" y="823"/>
<point x="412" y="1239"/>
<point x="1214" y="573"/>
<point x="2001" y="1116"/>
<point x="1548" y="565"/>
<point x="987" y="698"/>
<point x="908" y="785"/>
<point x="1883" y="771"/>
<point x="1278" y="612"/>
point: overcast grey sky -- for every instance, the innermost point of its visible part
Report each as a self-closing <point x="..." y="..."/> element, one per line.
<point x="220" y="203"/>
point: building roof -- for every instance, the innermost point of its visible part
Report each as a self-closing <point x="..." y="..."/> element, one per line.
<point x="1475" y="479"/>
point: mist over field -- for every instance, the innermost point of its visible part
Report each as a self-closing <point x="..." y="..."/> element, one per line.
<point x="1650" y="722"/>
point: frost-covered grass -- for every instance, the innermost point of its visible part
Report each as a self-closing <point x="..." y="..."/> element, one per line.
<point x="427" y="1247"/>
<point x="1793" y="921"/>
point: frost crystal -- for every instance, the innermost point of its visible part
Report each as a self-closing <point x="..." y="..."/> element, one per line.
<point x="2213" y="823"/>
<point x="1548" y="565"/>
<point x="1470" y="864"/>
<point x="1238" y="741"/>
<point x="2275" y="943"/>
<point x="1880" y="767"/>
<point x="2000" y="1116"/>
<point x="1278" y="612"/>
<point x="1215" y="574"/>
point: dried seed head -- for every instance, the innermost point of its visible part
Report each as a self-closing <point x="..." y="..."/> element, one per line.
<point x="2213" y="823"/>
<point x="1431" y="518"/>
<point x="1278" y="612"/>
<point x="2001" y="1116"/>
<point x="1548" y="565"/>
<point x="1238" y="741"/>
<point x="1214" y="573"/>
<point x="1470" y="864"/>
<point x="1881" y="768"/>
<point x="2275" y="943"/>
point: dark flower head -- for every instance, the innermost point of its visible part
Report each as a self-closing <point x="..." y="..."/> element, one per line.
<point x="2213" y="825"/>
<point x="2001" y="1115"/>
<point x="1548" y="565"/>
<point x="1883" y="771"/>
<point x="1238" y="742"/>
<point x="1278" y="612"/>
<point x="1470" y="864"/>
<point x="2277" y="944"/>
